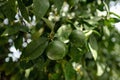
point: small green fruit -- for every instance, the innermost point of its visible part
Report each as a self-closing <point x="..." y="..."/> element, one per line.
<point x="77" y="38"/>
<point x="56" y="50"/>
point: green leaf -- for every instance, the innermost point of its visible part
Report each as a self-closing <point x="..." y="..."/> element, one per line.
<point x="25" y="65"/>
<point x="54" y="76"/>
<point x="100" y="69"/>
<point x="93" y="46"/>
<point x="3" y="40"/>
<point x="75" y="54"/>
<point x="93" y="42"/>
<point x="27" y="2"/>
<point x="63" y="33"/>
<point x="58" y="4"/>
<point x="40" y="7"/>
<point x="115" y="14"/>
<point x="49" y="24"/>
<point x="1" y="15"/>
<point x="16" y="76"/>
<point x="12" y="4"/>
<point x="9" y="10"/>
<point x="91" y="22"/>
<point x="72" y="2"/>
<point x="19" y="41"/>
<point x="106" y="7"/>
<point x="69" y="72"/>
<point x="114" y="20"/>
<point x="106" y="31"/>
<point x="38" y="33"/>
<point x="10" y="30"/>
<point x="23" y="10"/>
<point x="34" y="49"/>
<point x="39" y="62"/>
<point x="23" y="28"/>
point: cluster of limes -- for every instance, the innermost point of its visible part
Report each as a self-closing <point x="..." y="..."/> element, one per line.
<point x="57" y="49"/>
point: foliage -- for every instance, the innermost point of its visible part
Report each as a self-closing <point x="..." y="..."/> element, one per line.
<point x="80" y="33"/>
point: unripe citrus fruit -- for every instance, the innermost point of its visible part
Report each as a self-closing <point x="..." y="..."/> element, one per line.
<point x="56" y="50"/>
<point x="77" y="38"/>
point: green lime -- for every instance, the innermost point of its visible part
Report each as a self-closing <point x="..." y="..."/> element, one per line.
<point x="56" y="50"/>
<point x="77" y="38"/>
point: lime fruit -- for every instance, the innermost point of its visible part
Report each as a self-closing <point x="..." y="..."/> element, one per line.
<point x="56" y="50"/>
<point x="77" y="38"/>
